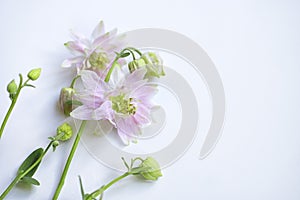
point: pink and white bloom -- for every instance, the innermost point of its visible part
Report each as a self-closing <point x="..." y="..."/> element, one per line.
<point x="95" y="54"/>
<point x="127" y="105"/>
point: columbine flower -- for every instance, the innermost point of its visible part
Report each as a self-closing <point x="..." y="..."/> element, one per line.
<point x="131" y="105"/>
<point x="127" y="106"/>
<point x="92" y="97"/>
<point x="96" y="54"/>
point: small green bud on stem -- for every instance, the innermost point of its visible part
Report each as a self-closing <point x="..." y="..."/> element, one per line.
<point x="64" y="132"/>
<point x="152" y="169"/>
<point x="12" y="89"/>
<point x="34" y="74"/>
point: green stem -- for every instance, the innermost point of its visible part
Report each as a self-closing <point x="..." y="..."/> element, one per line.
<point x="105" y="187"/>
<point x="112" y="68"/>
<point x="20" y="176"/>
<point x="130" y="49"/>
<point x="136" y="50"/>
<point x="12" y="105"/>
<point x="67" y="165"/>
<point x="11" y="185"/>
<point x="74" y="81"/>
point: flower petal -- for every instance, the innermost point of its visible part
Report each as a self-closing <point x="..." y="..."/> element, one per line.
<point x="72" y="61"/>
<point x="143" y="116"/>
<point x="75" y="47"/>
<point x="90" y="99"/>
<point x="124" y="137"/>
<point x="82" y="112"/>
<point x="99" y="30"/>
<point x="145" y="92"/>
<point x="134" y="79"/>
<point x="107" y="36"/>
<point x="80" y="38"/>
<point x="105" y="112"/>
<point x="92" y="82"/>
<point x="117" y="75"/>
<point x="128" y="125"/>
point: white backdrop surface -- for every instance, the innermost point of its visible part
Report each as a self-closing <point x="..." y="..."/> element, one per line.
<point x="255" y="46"/>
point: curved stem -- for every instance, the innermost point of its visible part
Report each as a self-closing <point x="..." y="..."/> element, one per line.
<point x="132" y="54"/>
<point x="67" y="165"/>
<point x="12" y="105"/>
<point x="105" y="187"/>
<point x="136" y="50"/>
<point x="21" y="175"/>
<point x="74" y="81"/>
<point x="111" y="68"/>
<point x="130" y="49"/>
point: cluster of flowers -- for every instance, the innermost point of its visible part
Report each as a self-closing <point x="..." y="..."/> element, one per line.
<point x="113" y="91"/>
<point x="108" y="87"/>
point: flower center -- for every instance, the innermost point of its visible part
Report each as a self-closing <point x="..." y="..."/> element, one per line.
<point x="122" y="105"/>
<point x="98" y="60"/>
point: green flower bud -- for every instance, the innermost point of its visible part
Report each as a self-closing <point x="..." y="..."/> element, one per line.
<point x="152" y="62"/>
<point x="66" y="102"/>
<point x="34" y="74"/>
<point x="135" y="64"/>
<point x="154" y="65"/>
<point x="12" y="89"/>
<point x="55" y="144"/>
<point x="64" y="132"/>
<point x="152" y="169"/>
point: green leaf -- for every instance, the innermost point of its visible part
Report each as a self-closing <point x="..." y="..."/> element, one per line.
<point x="29" y="161"/>
<point x="30" y="180"/>
<point x="125" y="55"/>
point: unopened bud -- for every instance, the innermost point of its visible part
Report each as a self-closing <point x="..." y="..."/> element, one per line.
<point x="66" y="100"/>
<point x="12" y="89"/>
<point x="154" y="65"/>
<point x="151" y="62"/>
<point x="64" y="132"/>
<point x="34" y="74"/>
<point x="152" y="169"/>
<point x="135" y="64"/>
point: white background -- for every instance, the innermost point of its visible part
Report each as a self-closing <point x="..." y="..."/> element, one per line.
<point x="255" y="46"/>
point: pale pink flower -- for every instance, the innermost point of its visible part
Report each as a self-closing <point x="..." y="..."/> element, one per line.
<point x="96" y="54"/>
<point x="127" y="105"/>
<point x="137" y="93"/>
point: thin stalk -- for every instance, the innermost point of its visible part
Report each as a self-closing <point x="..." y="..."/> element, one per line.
<point x="74" y="81"/>
<point x="131" y="50"/>
<point x="105" y="187"/>
<point x="11" y="185"/>
<point x="112" y="68"/>
<point x="12" y="105"/>
<point x="67" y="165"/>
